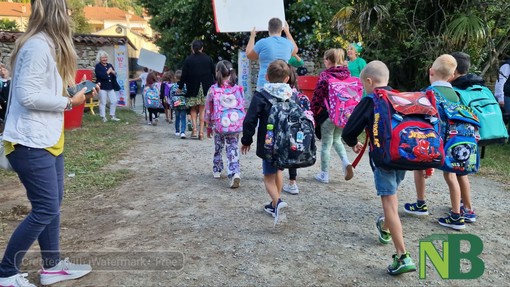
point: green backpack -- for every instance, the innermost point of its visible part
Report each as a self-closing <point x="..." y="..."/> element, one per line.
<point x="483" y="103"/>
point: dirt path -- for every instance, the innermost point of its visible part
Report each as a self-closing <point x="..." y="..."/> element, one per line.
<point x="173" y="206"/>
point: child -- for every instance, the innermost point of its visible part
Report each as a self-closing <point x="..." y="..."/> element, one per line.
<point x="133" y="90"/>
<point x="258" y="113"/>
<point x="330" y="134"/>
<point x="178" y="104"/>
<point x="152" y="86"/>
<point x="376" y="75"/>
<point x="167" y="81"/>
<point x="216" y="103"/>
<point x="303" y="101"/>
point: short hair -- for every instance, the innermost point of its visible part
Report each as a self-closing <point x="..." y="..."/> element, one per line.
<point x="293" y="77"/>
<point x="100" y="54"/>
<point x="335" y="56"/>
<point x="445" y="66"/>
<point x="377" y="71"/>
<point x="277" y="71"/>
<point x="145" y="69"/>
<point x="275" y="26"/>
<point x="463" y="62"/>
<point x="196" y="46"/>
<point x="168" y="76"/>
<point x="178" y="75"/>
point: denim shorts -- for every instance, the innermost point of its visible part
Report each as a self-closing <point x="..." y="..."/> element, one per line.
<point x="387" y="180"/>
<point x="268" y="168"/>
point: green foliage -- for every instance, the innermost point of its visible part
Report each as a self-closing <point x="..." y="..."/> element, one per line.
<point x="80" y="24"/>
<point x="8" y="25"/>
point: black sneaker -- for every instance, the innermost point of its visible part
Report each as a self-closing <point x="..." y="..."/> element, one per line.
<point x="269" y="208"/>
<point x="416" y="209"/>
<point x="449" y="221"/>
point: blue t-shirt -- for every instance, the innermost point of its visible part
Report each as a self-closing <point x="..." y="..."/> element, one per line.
<point x="270" y="49"/>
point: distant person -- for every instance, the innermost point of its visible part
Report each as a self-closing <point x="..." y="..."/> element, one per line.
<point x="389" y="228"/>
<point x="167" y="81"/>
<point x="178" y="104"/>
<point x="142" y="77"/>
<point x="198" y="76"/>
<point x="152" y="91"/>
<point x="34" y="140"/>
<point x="224" y="115"/>
<point x="274" y="47"/>
<point x="105" y="75"/>
<point x="502" y="88"/>
<point x="356" y="63"/>
<point x="5" y="83"/>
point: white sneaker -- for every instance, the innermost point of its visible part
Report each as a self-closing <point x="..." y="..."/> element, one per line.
<point x="348" y="172"/>
<point x="105" y="119"/>
<point x="279" y="215"/>
<point x="322" y="177"/>
<point x="183" y="135"/>
<point x="177" y="134"/>
<point x="18" y="280"/>
<point x="291" y="188"/>
<point x="64" y="270"/>
<point x="235" y="181"/>
<point x="216" y="174"/>
<point x="115" y="119"/>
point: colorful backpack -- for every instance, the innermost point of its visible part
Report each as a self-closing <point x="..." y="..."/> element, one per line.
<point x="151" y="97"/>
<point x="483" y="103"/>
<point x="167" y="87"/>
<point x="304" y="102"/>
<point x="406" y="131"/>
<point x="460" y="134"/>
<point x="343" y="97"/>
<point x="228" y="109"/>
<point x="294" y="135"/>
<point x="177" y="101"/>
<point x="133" y="88"/>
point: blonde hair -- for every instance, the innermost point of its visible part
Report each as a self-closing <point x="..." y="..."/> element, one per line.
<point x="335" y="56"/>
<point x="101" y="54"/>
<point x="445" y="66"/>
<point x="377" y="71"/>
<point x="51" y="18"/>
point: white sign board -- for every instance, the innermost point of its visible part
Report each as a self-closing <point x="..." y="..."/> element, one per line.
<point x="243" y="15"/>
<point x="152" y="60"/>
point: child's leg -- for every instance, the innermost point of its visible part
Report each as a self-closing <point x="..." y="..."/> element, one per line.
<point x="454" y="187"/>
<point x="273" y="183"/>
<point x="178" y="122"/>
<point x="292" y="175"/>
<point x="327" y="129"/>
<point x="150" y="114"/>
<point x="339" y="146"/>
<point x="419" y="184"/>
<point x="232" y="150"/>
<point x="465" y="190"/>
<point x="219" y="143"/>
<point x="183" y="115"/>
<point x="392" y="222"/>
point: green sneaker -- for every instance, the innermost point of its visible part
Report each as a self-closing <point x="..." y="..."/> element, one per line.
<point x="401" y="265"/>
<point x="384" y="235"/>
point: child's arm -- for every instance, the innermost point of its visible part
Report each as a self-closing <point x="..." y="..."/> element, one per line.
<point x="208" y="111"/>
<point x="250" y="122"/>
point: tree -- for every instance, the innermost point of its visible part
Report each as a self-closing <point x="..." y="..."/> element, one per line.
<point x="80" y="23"/>
<point x="8" y="25"/>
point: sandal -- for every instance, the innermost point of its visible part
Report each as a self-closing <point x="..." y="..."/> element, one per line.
<point x="194" y="134"/>
<point x="201" y="136"/>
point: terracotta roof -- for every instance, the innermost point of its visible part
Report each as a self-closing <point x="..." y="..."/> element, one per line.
<point x="83" y="39"/>
<point x="108" y="13"/>
<point x="14" y="9"/>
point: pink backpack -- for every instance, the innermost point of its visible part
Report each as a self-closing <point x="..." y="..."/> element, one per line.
<point x="228" y="109"/>
<point x="344" y="95"/>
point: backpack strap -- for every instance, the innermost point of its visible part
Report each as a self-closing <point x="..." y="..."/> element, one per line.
<point x="362" y="151"/>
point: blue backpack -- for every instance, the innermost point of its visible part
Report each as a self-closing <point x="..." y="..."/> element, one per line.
<point x="406" y="131"/>
<point x="151" y="97"/>
<point x="459" y="127"/>
<point x="483" y="103"/>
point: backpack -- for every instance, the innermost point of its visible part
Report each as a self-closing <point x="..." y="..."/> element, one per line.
<point x="167" y="87"/>
<point x="133" y="87"/>
<point x="406" y="131"/>
<point x="460" y="134"/>
<point x="304" y="103"/>
<point x="294" y="137"/>
<point x="227" y="109"/>
<point x="177" y="101"/>
<point x="151" y="97"/>
<point x="483" y="103"/>
<point x="343" y="96"/>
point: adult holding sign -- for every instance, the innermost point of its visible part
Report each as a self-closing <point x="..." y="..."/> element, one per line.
<point x="274" y="47"/>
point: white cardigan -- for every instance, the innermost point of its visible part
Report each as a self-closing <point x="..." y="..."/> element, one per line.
<point x="35" y="115"/>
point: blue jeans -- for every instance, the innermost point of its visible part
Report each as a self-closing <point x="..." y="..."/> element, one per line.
<point x="42" y="174"/>
<point x="180" y="121"/>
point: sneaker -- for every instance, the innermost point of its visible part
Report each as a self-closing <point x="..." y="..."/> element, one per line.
<point x="269" y="208"/>
<point x="291" y="188"/>
<point x="183" y="135"/>
<point x="115" y="119"/>
<point x="104" y="119"/>
<point x="348" y="172"/>
<point x="177" y="134"/>
<point x="64" y="270"/>
<point x="279" y="215"/>
<point x="216" y="174"/>
<point x="149" y="123"/>
<point x="401" y="265"/>
<point x="155" y="123"/>
<point x="18" y="280"/>
<point x="449" y="221"/>
<point x="384" y="235"/>
<point x="415" y="209"/>
<point x="469" y="215"/>
<point x="322" y="177"/>
<point x="235" y="181"/>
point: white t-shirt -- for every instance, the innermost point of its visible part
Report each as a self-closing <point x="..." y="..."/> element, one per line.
<point x="504" y="73"/>
<point x="143" y="77"/>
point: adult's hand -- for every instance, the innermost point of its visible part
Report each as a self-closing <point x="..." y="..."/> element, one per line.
<point x="286" y="28"/>
<point x="253" y="32"/>
<point x="78" y="98"/>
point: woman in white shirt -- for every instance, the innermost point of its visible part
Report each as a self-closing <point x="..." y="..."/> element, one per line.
<point x="44" y="63"/>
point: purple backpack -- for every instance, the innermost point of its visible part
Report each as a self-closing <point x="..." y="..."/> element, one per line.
<point x="228" y="109"/>
<point x="343" y="96"/>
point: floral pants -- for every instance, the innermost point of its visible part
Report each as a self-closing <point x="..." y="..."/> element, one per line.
<point x="231" y="144"/>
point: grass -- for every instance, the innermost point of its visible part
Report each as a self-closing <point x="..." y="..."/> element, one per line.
<point x="495" y="163"/>
<point x="92" y="147"/>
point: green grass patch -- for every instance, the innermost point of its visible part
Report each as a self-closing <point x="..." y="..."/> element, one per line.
<point x="92" y="147"/>
<point x="496" y="162"/>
